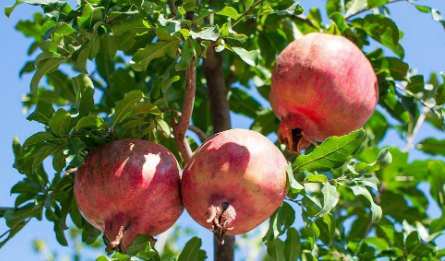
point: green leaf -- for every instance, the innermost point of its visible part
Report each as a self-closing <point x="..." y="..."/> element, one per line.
<point x="91" y="122"/>
<point x="109" y="45"/>
<point x="330" y="198"/>
<point x="12" y="232"/>
<point x="353" y="6"/>
<point x="141" y="247"/>
<point x="383" y="30"/>
<point x="315" y="177"/>
<point x="9" y="9"/>
<point x="292" y="249"/>
<point x="332" y="153"/>
<point x="432" y="146"/>
<point x="275" y="250"/>
<point x="16" y="147"/>
<point x="49" y="65"/>
<point x="75" y="152"/>
<point x="265" y="122"/>
<point x="192" y="251"/>
<point x="43" y="113"/>
<point x="59" y="160"/>
<point x="90" y="16"/>
<point x="60" y="123"/>
<point x="243" y="103"/>
<point x="229" y="11"/>
<point x="280" y="221"/>
<point x="26" y="186"/>
<point x="102" y="258"/>
<point x="37" y="138"/>
<point x="89" y="51"/>
<point x="376" y="3"/>
<point x="436" y="179"/>
<point x="84" y="90"/>
<point x="210" y="33"/>
<point x="17" y="216"/>
<point x="135" y="25"/>
<point x="333" y="6"/>
<point x="250" y="57"/>
<point x="44" y="152"/>
<point x="294" y="185"/>
<point x="186" y="57"/>
<point x="376" y="210"/>
<point x="143" y="57"/>
<point x="125" y="107"/>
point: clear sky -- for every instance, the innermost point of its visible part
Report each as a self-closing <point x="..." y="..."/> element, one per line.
<point x="424" y="43"/>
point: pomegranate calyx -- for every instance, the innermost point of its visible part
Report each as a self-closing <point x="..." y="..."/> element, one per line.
<point x="220" y="216"/>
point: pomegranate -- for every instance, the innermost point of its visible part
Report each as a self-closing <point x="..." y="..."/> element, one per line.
<point x="322" y="86"/>
<point x="234" y="182"/>
<point x="129" y="187"/>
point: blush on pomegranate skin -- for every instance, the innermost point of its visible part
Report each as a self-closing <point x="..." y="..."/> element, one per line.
<point x="322" y="85"/>
<point x="129" y="187"/>
<point x="234" y="182"/>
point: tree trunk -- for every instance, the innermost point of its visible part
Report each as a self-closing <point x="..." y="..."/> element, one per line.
<point x="219" y="106"/>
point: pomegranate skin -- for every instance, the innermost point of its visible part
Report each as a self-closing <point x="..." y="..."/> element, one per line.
<point x="322" y="86"/>
<point x="129" y="187"/>
<point x="236" y="179"/>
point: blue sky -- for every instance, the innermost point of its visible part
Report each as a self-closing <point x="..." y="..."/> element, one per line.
<point x="424" y="42"/>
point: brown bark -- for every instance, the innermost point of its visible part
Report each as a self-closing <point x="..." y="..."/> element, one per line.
<point x="219" y="106"/>
<point x="217" y="91"/>
<point x="181" y="127"/>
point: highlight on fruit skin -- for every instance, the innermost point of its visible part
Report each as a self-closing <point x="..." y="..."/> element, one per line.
<point x="234" y="182"/>
<point x="322" y="85"/>
<point x="129" y="187"/>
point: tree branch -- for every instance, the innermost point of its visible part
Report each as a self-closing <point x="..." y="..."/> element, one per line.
<point x="202" y="136"/>
<point x="217" y="91"/>
<point x="181" y="127"/>
<point x="219" y="106"/>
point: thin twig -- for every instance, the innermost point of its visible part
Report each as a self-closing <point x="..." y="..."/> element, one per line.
<point x="181" y="127"/>
<point x="202" y="136"/>
<point x="173" y="9"/>
<point x="176" y="112"/>
<point x="417" y="98"/>
<point x="247" y="12"/>
<point x="299" y="202"/>
<point x="340" y="179"/>
<point x="367" y="8"/>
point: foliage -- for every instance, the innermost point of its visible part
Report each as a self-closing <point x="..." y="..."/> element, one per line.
<point x="109" y="69"/>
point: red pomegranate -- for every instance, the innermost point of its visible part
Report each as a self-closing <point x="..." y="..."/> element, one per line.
<point x="234" y="182"/>
<point x="322" y="86"/>
<point x="129" y="187"/>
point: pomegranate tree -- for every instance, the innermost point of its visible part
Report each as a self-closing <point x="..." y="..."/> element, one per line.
<point x="322" y="85"/>
<point x="129" y="187"/>
<point x="234" y="182"/>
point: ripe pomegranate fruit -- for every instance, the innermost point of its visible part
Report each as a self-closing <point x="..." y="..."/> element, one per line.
<point x="129" y="187"/>
<point x="234" y="182"/>
<point x="322" y="86"/>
